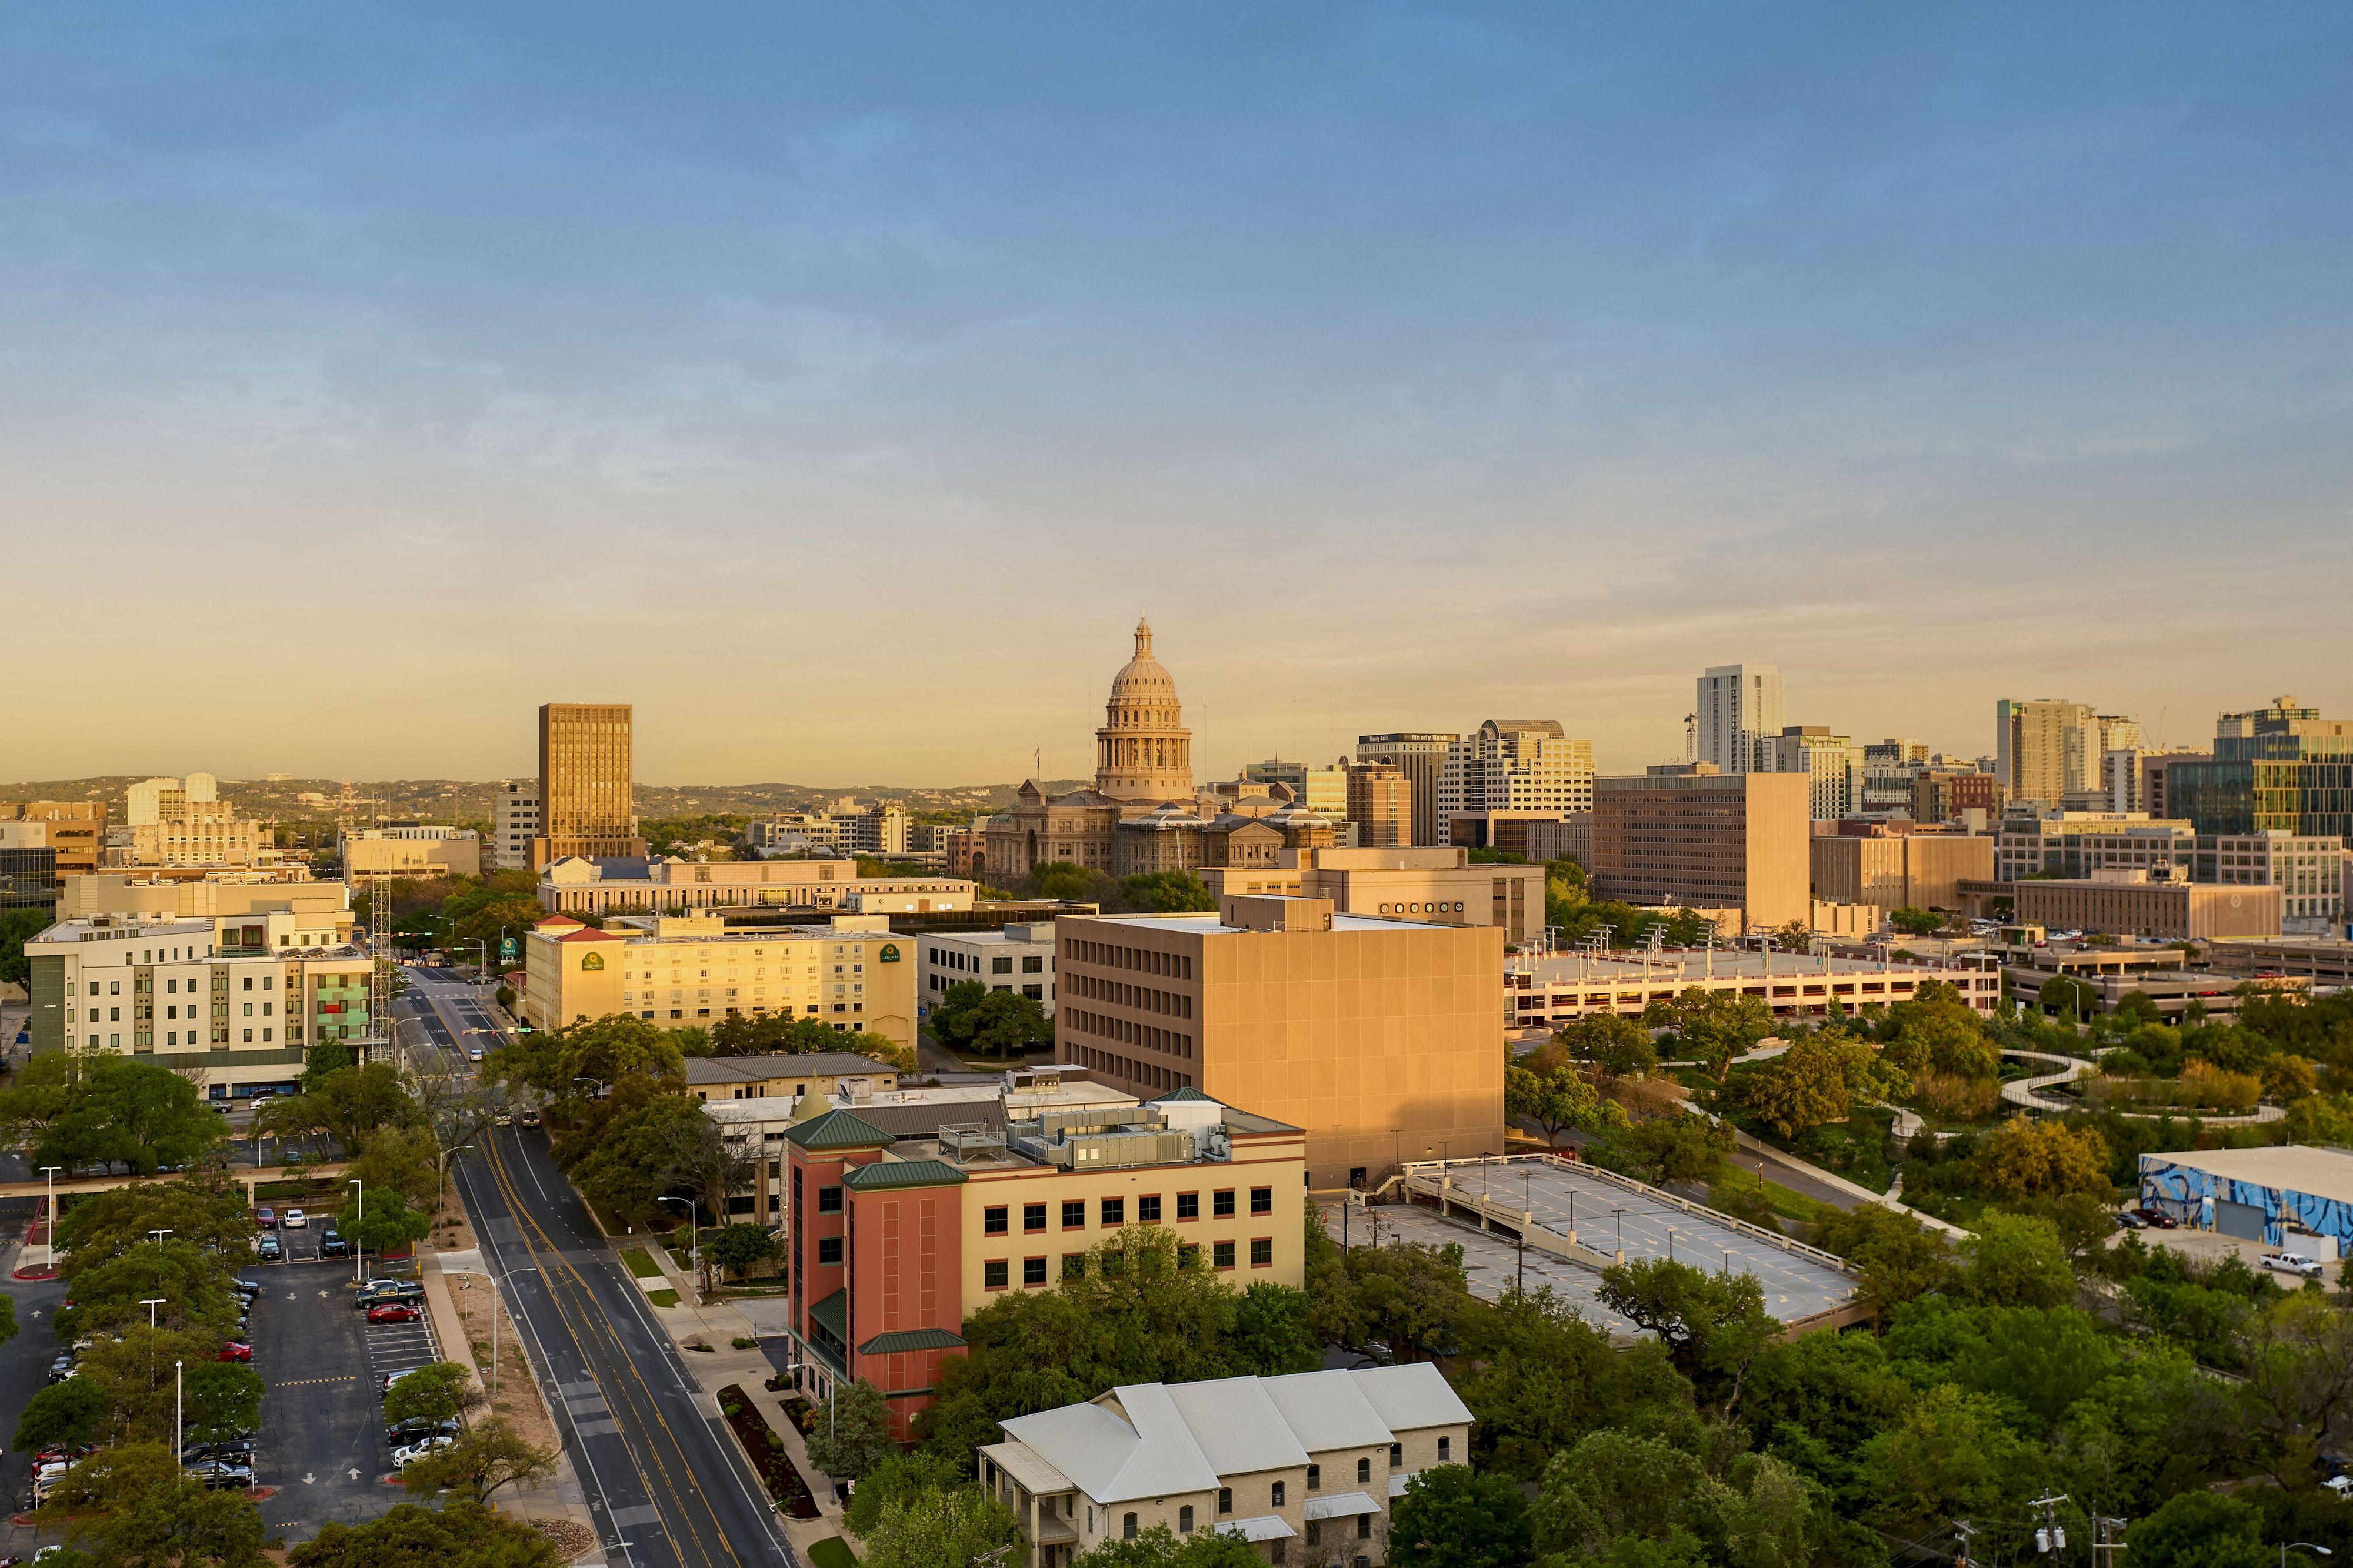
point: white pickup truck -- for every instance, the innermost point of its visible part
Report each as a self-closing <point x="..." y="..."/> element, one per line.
<point x="2293" y="1262"/>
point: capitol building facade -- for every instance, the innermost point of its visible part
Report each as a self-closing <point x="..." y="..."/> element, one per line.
<point x="1144" y="814"/>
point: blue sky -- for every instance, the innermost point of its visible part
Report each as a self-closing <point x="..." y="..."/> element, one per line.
<point x="838" y="383"/>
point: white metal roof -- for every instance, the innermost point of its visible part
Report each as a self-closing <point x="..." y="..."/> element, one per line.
<point x="1326" y="1410"/>
<point x="2295" y="1168"/>
<point x="1260" y="1527"/>
<point x="1411" y="1396"/>
<point x="1341" y="1505"/>
<point x="1237" y="1427"/>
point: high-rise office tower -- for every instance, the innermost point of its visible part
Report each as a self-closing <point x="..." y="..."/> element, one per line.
<point x="584" y="804"/>
<point x="1421" y="758"/>
<point x="1524" y="767"/>
<point x="2281" y="769"/>
<point x="1380" y="802"/>
<point x="1738" y="706"/>
<point x="2049" y="749"/>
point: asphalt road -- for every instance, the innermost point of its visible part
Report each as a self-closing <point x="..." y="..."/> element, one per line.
<point x="24" y="1371"/>
<point x="321" y="1442"/>
<point x="663" y="1476"/>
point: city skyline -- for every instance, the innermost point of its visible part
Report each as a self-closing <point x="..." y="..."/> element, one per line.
<point x="1407" y="368"/>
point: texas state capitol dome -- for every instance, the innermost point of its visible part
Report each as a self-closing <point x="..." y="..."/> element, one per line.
<point x="1143" y="753"/>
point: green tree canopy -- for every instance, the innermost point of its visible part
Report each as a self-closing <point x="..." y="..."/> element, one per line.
<point x="461" y="1532"/>
<point x="853" y="1432"/>
<point x="1454" y="1516"/>
<point x="977" y="1021"/>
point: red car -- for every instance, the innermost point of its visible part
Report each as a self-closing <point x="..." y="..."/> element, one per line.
<point x="234" y="1351"/>
<point x="393" y="1313"/>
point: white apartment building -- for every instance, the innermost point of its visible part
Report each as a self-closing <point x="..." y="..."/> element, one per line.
<point x="1738" y="706"/>
<point x="149" y="801"/>
<point x="514" y="823"/>
<point x="235" y="999"/>
<point x="1833" y="763"/>
<point x="1018" y="958"/>
<point x="1306" y="1467"/>
<point x="1528" y="765"/>
<point x="2308" y="870"/>
<point x="798" y="830"/>
<point x="2074" y="844"/>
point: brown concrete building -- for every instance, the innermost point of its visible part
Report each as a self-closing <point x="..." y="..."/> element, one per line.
<point x="585" y="806"/>
<point x="1438" y="886"/>
<point x="1422" y="757"/>
<point x="1380" y="802"/>
<point x="75" y="829"/>
<point x="1380" y="1038"/>
<point x="2128" y="903"/>
<point x="1942" y="794"/>
<point x="1686" y="834"/>
<point x="1899" y="870"/>
<point x="1572" y="837"/>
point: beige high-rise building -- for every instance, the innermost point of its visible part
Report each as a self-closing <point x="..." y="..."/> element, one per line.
<point x="1380" y="802"/>
<point x="1421" y="756"/>
<point x="1688" y="834"/>
<point x="2049" y="749"/>
<point x="1520" y="766"/>
<point x="1382" y="1038"/>
<point x="586" y="808"/>
<point x="1323" y="791"/>
<point x="514" y="811"/>
<point x="1899" y="870"/>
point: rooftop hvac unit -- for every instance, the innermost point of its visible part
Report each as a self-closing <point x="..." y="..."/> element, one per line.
<point x="970" y="1139"/>
<point x="1099" y="1119"/>
<point x="1111" y="1151"/>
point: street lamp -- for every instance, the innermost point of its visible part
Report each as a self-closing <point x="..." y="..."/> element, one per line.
<point x="495" y="1279"/>
<point x="441" y="1174"/>
<point x="600" y="1082"/>
<point x="157" y="1235"/>
<point x="693" y="1244"/>
<point x="52" y="1173"/>
<point x="179" y="1424"/>
<point x="2303" y="1546"/>
<point x="151" y="1303"/>
<point x="359" y="1246"/>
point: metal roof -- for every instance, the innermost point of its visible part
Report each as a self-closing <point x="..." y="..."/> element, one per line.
<point x="1411" y="1396"/>
<point x="781" y="1064"/>
<point x="1259" y="1526"/>
<point x="900" y="1340"/>
<point x="884" y="1175"/>
<point x="1236" y="1426"/>
<point x="840" y="1130"/>
<point x="1327" y="1410"/>
<point x="1341" y="1505"/>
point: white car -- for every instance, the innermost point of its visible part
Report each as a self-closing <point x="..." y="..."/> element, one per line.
<point x="293" y="1219"/>
<point x="2293" y="1262"/>
<point x="475" y="1055"/>
<point x="2341" y="1485"/>
<point x="404" y="1457"/>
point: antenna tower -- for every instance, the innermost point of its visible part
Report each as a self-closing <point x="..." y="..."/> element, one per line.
<point x="378" y="1045"/>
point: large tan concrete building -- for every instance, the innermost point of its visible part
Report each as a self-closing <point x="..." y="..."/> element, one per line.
<point x="199" y="833"/>
<point x="678" y="971"/>
<point x="380" y="854"/>
<point x="1437" y="885"/>
<point x="1380" y="802"/>
<point x="585" y="886"/>
<point x="75" y="829"/>
<point x="586" y="806"/>
<point x="1686" y="834"/>
<point x="1522" y="767"/>
<point x="2130" y="903"/>
<point x="1421" y="756"/>
<point x="1899" y="870"/>
<point x="324" y="907"/>
<point x="1379" y="1037"/>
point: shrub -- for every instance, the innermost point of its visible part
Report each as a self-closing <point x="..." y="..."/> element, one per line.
<point x="1956" y="1096"/>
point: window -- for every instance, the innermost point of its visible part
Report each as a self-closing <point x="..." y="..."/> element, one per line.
<point x="1262" y="1200"/>
<point x="1074" y="1214"/>
<point x="1364" y="1471"/>
<point x="1033" y="965"/>
<point x="1127" y="1527"/>
<point x="1315" y="1478"/>
<point x="1185" y="1519"/>
<point x="828" y="1200"/>
<point x="993" y="1274"/>
<point x="1114" y="1211"/>
<point x="1278" y="1494"/>
<point x="1445" y="1450"/>
<point x="993" y="1221"/>
<point x="1033" y="1216"/>
<point x="828" y="1250"/>
<point x="1225" y="1500"/>
<point x="1188" y="1206"/>
<point x="1364" y="1529"/>
<point x="1221" y="1254"/>
<point x="1074" y="1266"/>
<point x="1262" y="1252"/>
<point x="1221" y="1205"/>
<point x="1033" y="1272"/>
<point x="1314" y="1532"/>
<point x="248" y="984"/>
<point x="1000" y="966"/>
<point x="248" y="1009"/>
<point x="1147" y="1209"/>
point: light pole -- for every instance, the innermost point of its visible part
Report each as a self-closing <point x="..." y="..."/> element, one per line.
<point x="495" y="1279"/>
<point x="2304" y="1546"/>
<point x="600" y="1082"/>
<point x="179" y="1427"/>
<point x="157" y="1235"/>
<point x="693" y="1244"/>
<point x="151" y="1303"/>
<point x="52" y="1173"/>
<point x="359" y="1246"/>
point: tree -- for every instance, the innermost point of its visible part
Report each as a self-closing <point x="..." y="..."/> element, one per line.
<point x="73" y="1412"/>
<point x="2014" y="1260"/>
<point x="1711" y="1026"/>
<point x="1274" y="1334"/>
<point x="347" y="1108"/>
<point x="1537" y="1376"/>
<point x="220" y="1399"/>
<point x="1953" y="1457"/>
<point x="16" y="928"/>
<point x="1556" y="1099"/>
<point x="488" y="1455"/>
<point x="1813" y="1402"/>
<point x="410" y="1535"/>
<point x="434" y="1393"/>
<point x="739" y="1248"/>
<point x="1618" y="1048"/>
<point x="191" y="1282"/>
<point x="1900" y="1258"/>
<point x="1675" y="1147"/>
<point x="135" y="1510"/>
<point x="129" y="1113"/>
<point x="100" y="1227"/>
<point x="2023" y="1159"/>
<point x="747" y="1035"/>
<point x="631" y="1161"/>
<point x="2199" y="1530"/>
<point x="1802" y="1089"/>
<point x="895" y="1480"/>
<point x="1160" y="1547"/>
<point x="1166" y="892"/>
<point x="954" y="1528"/>
<point x="1713" y="1324"/>
<point x="972" y="1018"/>
<point x="401" y="1162"/>
<point x="1614" y="1485"/>
<point x="1454" y="1516"/>
<point x="322" y="1062"/>
<point x="1913" y="922"/>
<point x="853" y="1432"/>
<point x="383" y="1222"/>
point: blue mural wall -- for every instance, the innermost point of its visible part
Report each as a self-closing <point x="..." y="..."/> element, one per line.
<point x="2182" y="1184"/>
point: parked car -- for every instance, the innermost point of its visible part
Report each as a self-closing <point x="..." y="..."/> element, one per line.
<point x="392" y="1377"/>
<point x="402" y="1432"/>
<point x="393" y="1312"/>
<point x="295" y="1220"/>
<point x="237" y="1350"/>
<point x="2130" y="1221"/>
<point x="402" y="1457"/>
<point x="238" y="1451"/>
<point x="2297" y="1263"/>
<point x="333" y="1243"/>
<point x="2157" y="1217"/>
<point x="266" y="1217"/>
<point x="217" y="1474"/>
<point x="268" y="1249"/>
<point x="249" y="1289"/>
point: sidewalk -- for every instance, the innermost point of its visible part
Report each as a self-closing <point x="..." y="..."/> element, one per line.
<point x="719" y="1324"/>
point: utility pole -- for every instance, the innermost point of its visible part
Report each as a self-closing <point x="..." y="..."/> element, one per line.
<point x="2104" y="1531"/>
<point x="2050" y="1536"/>
<point x="1966" y="1532"/>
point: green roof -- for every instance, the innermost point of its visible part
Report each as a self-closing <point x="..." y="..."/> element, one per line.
<point x="838" y="1130"/>
<point x="913" y="1340"/>
<point x="884" y="1175"/>
<point x="1186" y="1092"/>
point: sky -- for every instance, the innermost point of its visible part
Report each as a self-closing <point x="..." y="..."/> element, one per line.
<point x="839" y="383"/>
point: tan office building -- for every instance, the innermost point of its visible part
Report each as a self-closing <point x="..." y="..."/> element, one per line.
<point x="1380" y="802"/>
<point x="1422" y="757"/>
<point x="1686" y="834"/>
<point x="75" y="829"/>
<point x="586" y="803"/>
<point x="319" y="912"/>
<point x="201" y="832"/>
<point x="582" y="887"/>
<point x="1899" y="870"/>
<point x="380" y="854"/>
<point x="678" y="971"/>
<point x="1379" y="1037"/>
<point x="2131" y="903"/>
<point x="1437" y="885"/>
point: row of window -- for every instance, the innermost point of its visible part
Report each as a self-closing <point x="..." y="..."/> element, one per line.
<point x="1149" y="1074"/>
<point x="1143" y="960"/>
<point x="1127" y="1033"/>
<point x="996" y="1219"/>
<point x="1143" y="998"/>
<point x="997" y="1273"/>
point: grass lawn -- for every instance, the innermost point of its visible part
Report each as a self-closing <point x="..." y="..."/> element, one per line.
<point x="833" y="1551"/>
<point x="640" y="1265"/>
<point x="662" y="1298"/>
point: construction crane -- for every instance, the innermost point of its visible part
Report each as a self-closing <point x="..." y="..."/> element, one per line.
<point x="382" y="1040"/>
